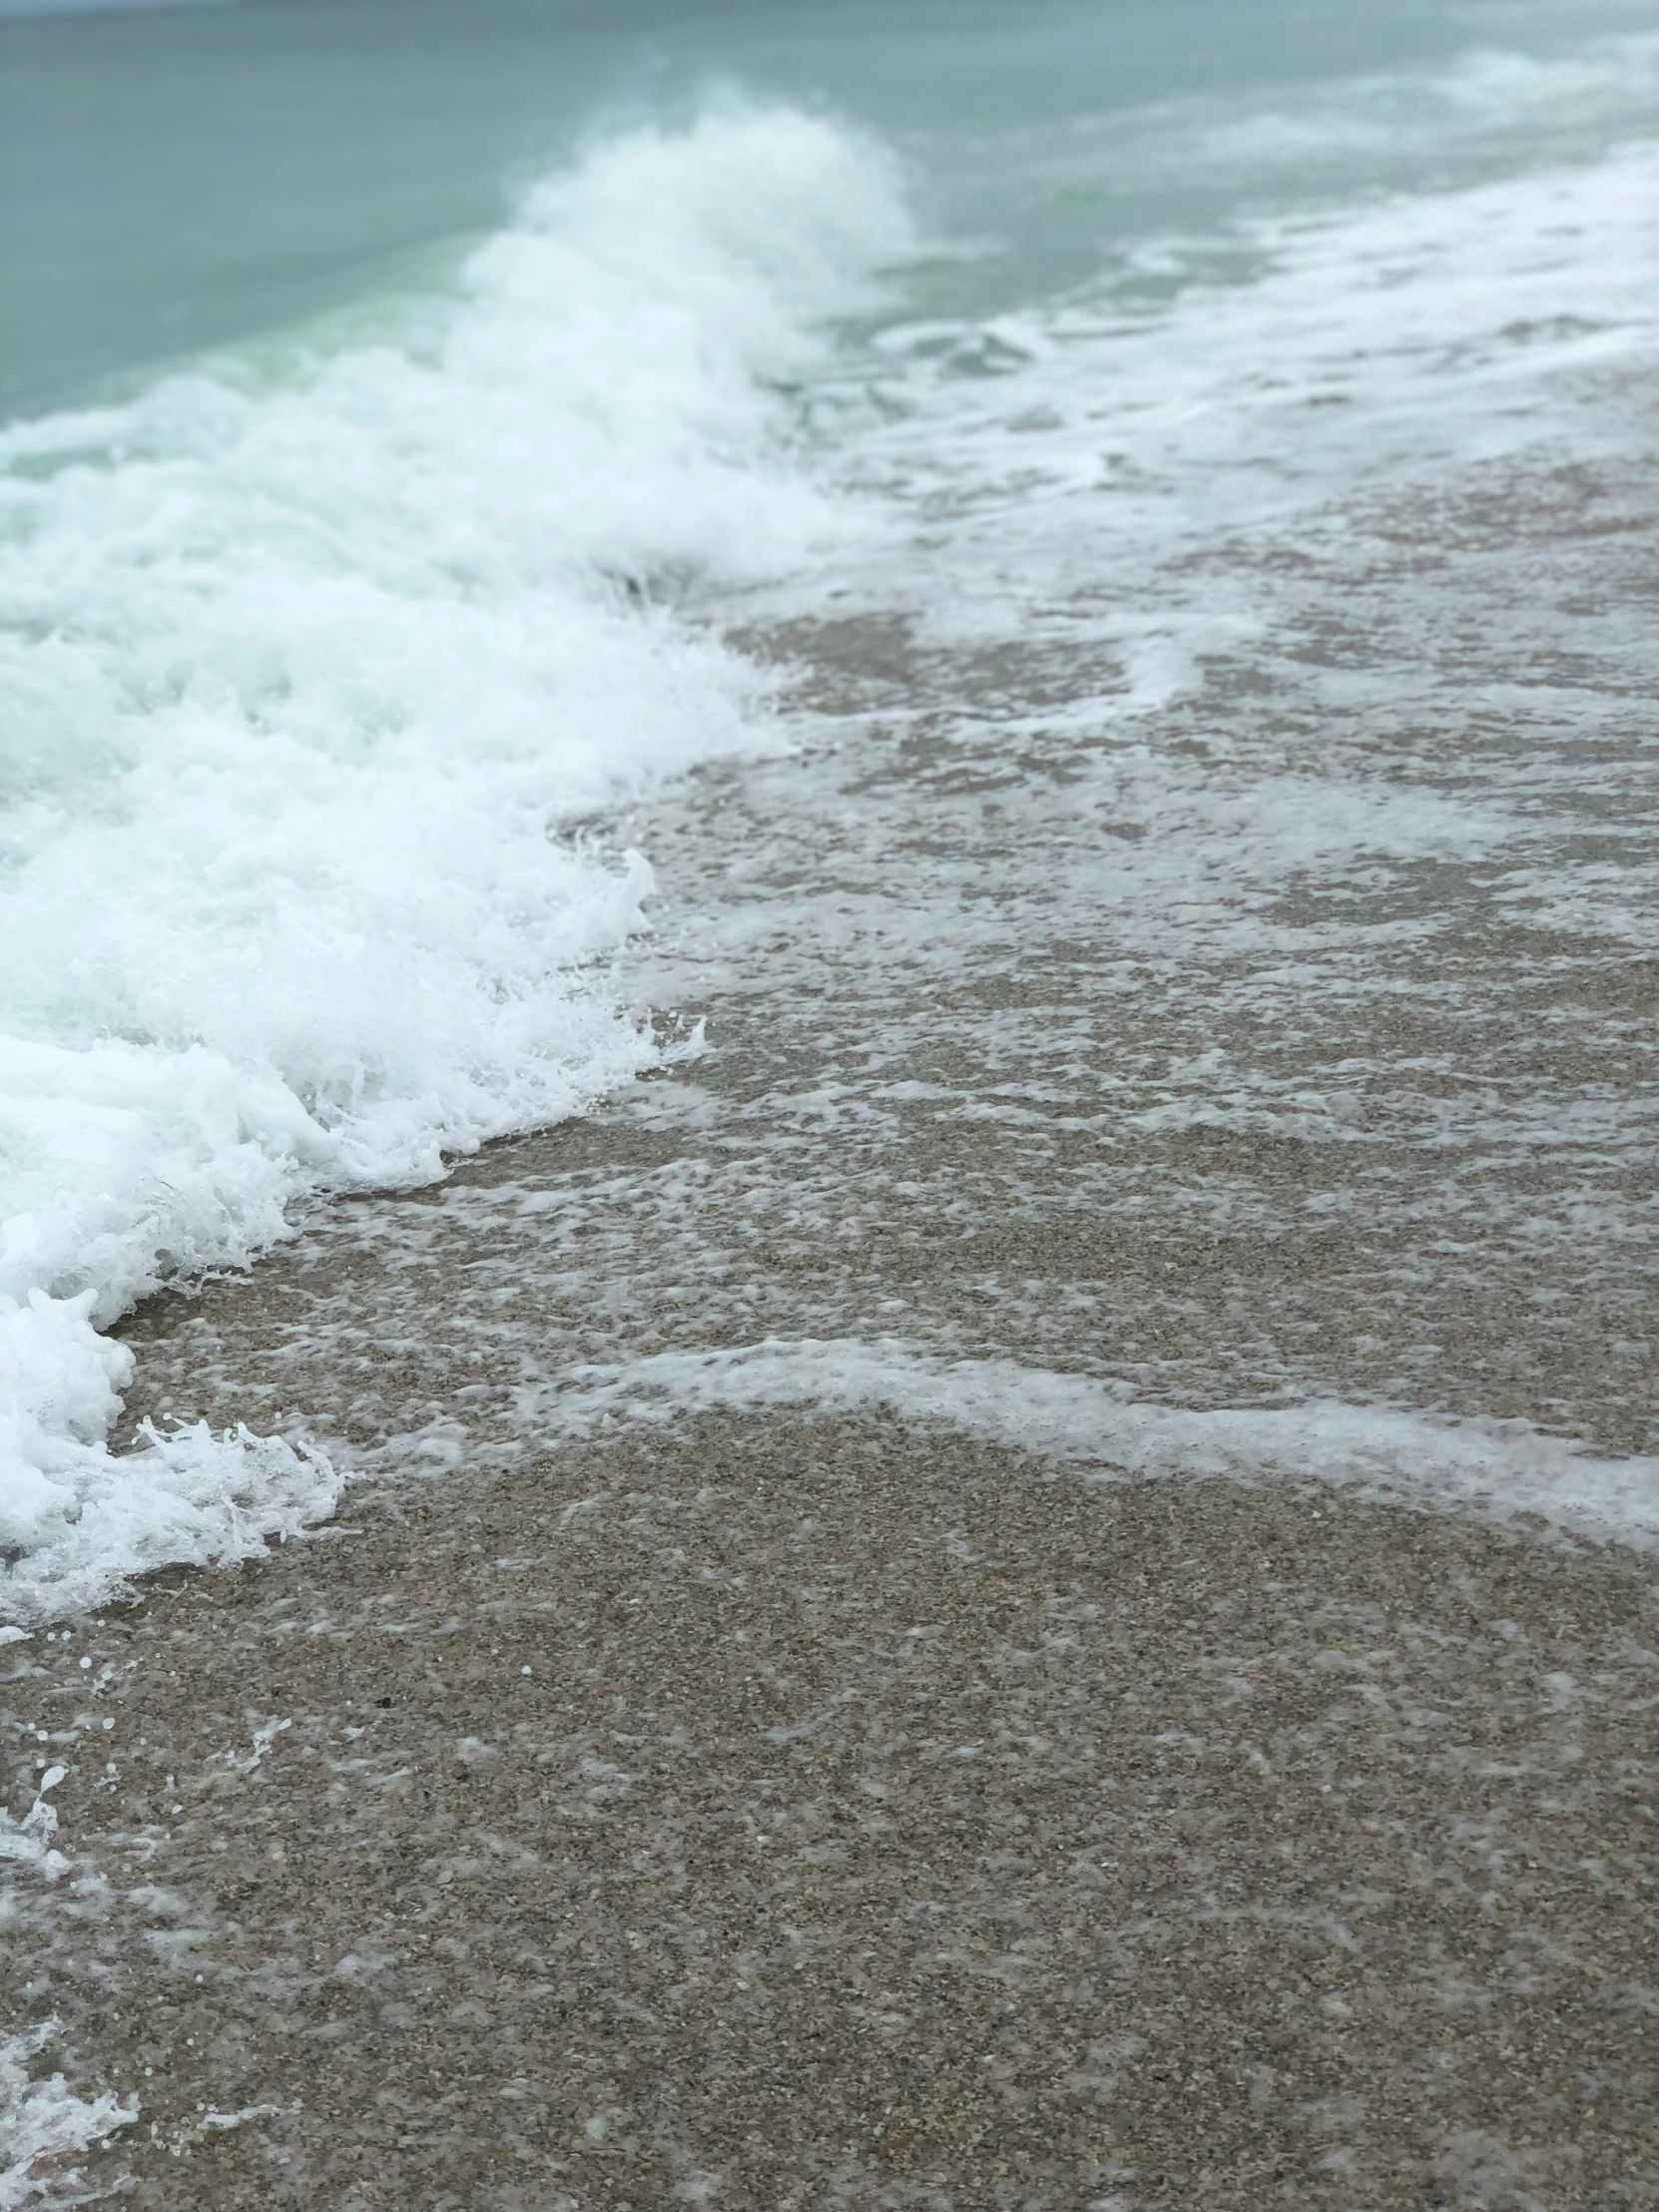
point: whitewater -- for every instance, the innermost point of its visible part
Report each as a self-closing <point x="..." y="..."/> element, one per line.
<point x="329" y="661"/>
<point x="312" y="667"/>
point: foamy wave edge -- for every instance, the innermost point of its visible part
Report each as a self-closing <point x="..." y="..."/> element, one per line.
<point x="1502" y="1468"/>
<point x="304" y="674"/>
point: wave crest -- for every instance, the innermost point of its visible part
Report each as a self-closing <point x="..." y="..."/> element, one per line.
<point x="300" y="675"/>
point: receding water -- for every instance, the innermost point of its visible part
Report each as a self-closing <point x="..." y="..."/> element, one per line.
<point x="406" y="402"/>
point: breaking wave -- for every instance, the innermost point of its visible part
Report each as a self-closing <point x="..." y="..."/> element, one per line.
<point x="306" y="677"/>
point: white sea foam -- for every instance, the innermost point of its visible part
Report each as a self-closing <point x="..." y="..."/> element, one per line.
<point x="45" y="2127"/>
<point x="1501" y="1468"/>
<point x="1490" y="103"/>
<point x="301" y="669"/>
<point x="301" y="673"/>
<point x="1286" y="365"/>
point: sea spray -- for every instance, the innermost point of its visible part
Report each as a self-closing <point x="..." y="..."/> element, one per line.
<point x="302" y="674"/>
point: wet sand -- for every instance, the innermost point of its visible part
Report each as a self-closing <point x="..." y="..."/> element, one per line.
<point x="771" y="1808"/>
<point x="883" y="1821"/>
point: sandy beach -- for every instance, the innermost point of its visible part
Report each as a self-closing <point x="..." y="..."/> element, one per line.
<point x="883" y="1819"/>
<point x="636" y="1799"/>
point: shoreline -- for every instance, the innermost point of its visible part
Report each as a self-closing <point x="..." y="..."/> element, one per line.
<point x="1023" y="1574"/>
<point x="889" y="1815"/>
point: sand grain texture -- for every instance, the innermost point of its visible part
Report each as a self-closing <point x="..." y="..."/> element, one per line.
<point x="771" y="1807"/>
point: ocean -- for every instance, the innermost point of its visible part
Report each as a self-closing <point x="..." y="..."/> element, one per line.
<point x="422" y="423"/>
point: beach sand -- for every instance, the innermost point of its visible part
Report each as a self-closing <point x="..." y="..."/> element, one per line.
<point x="770" y="1804"/>
<point x="886" y="1820"/>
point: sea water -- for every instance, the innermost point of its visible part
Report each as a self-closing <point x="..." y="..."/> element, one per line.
<point x="397" y="398"/>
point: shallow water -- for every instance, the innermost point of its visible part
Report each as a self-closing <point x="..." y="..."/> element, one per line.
<point x="1042" y="615"/>
<point x="1124" y="364"/>
<point x="886" y="1648"/>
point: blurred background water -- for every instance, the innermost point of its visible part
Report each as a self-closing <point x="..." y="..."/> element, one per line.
<point x="173" y="178"/>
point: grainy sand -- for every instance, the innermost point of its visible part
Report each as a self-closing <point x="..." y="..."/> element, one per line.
<point x="778" y="1808"/>
<point x="886" y="1820"/>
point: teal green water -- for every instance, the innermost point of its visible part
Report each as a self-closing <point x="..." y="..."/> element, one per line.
<point x="179" y="177"/>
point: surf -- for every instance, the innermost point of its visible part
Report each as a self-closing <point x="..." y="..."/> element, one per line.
<point x="308" y="674"/>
